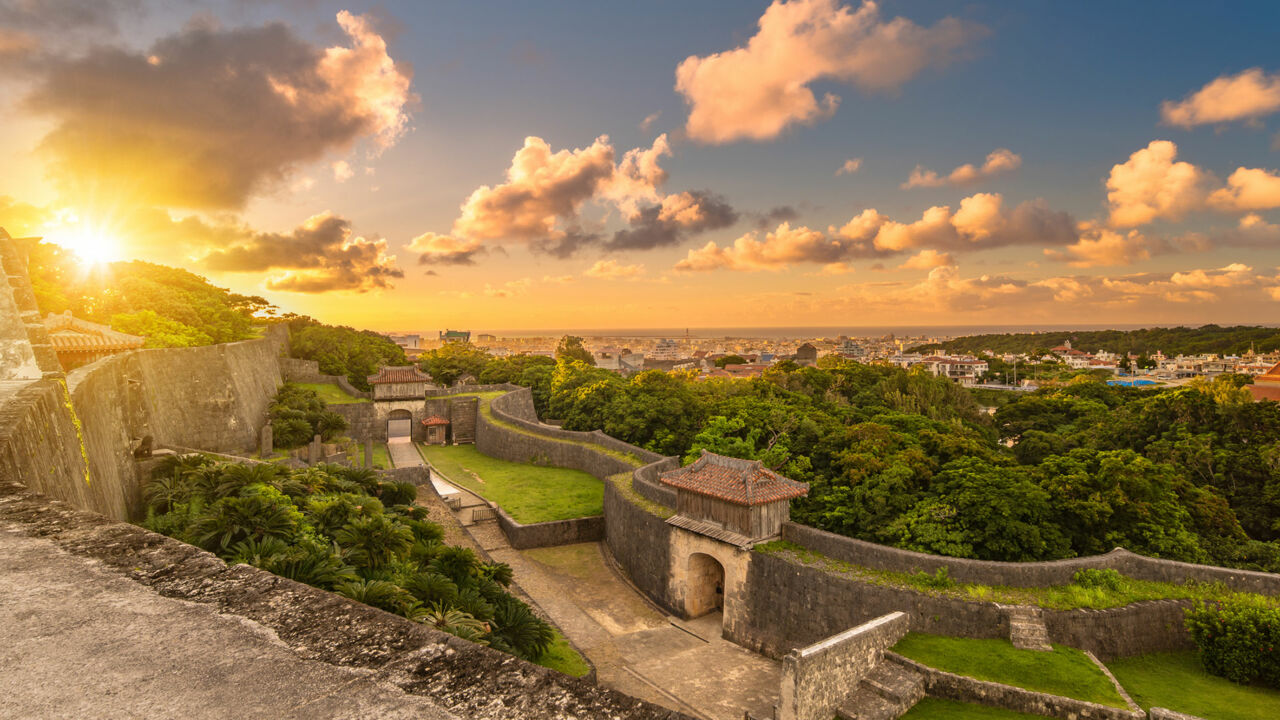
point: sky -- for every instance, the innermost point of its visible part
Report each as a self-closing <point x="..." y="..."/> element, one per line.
<point x="414" y="166"/>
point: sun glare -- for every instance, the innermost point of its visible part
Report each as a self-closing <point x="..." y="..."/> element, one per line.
<point x="93" y="244"/>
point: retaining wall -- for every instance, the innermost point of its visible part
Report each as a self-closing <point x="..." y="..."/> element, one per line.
<point x="640" y="543"/>
<point x="1025" y="574"/>
<point x="950" y="686"/>
<point x="297" y="370"/>
<point x="547" y="534"/>
<point x="817" y="679"/>
<point x="1137" y="629"/>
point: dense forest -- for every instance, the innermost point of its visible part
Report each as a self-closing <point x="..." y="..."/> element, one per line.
<point x="907" y="459"/>
<point x="171" y="307"/>
<point x="1233" y="340"/>
<point x="340" y="350"/>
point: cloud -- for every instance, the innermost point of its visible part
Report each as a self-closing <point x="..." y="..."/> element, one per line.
<point x="508" y="289"/>
<point x="342" y="171"/>
<point x="998" y="162"/>
<point x="781" y="213"/>
<point x="1150" y="186"/>
<point x="677" y="217"/>
<point x="207" y="118"/>
<point x="758" y="90"/>
<point x="778" y="249"/>
<point x="1104" y="247"/>
<point x="980" y="223"/>
<point x="928" y="259"/>
<point x="850" y="166"/>
<point x="544" y="189"/>
<point x="1248" y="189"/>
<point x="648" y="121"/>
<point x="1249" y="95"/>
<point x="321" y="255"/>
<point x="557" y="279"/>
<point x="613" y="270"/>
<point x="436" y="249"/>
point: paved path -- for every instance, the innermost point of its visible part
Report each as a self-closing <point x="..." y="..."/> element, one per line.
<point x="404" y="454"/>
<point x="636" y="649"/>
<point x="82" y="642"/>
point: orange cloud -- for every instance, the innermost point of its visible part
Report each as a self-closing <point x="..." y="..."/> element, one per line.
<point x="1150" y="185"/>
<point x="759" y="90"/>
<point x="1248" y="95"/>
<point x="998" y="162"/>
<point x="613" y="270"/>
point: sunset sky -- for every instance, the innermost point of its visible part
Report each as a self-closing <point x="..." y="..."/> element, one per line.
<point x="487" y="165"/>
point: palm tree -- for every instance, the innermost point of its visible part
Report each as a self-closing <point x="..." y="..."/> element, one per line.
<point x="233" y="519"/>
<point x="378" y="593"/>
<point x="374" y="541"/>
<point x="526" y="634"/>
<point x="456" y="622"/>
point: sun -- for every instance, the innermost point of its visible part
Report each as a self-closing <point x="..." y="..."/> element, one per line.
<point x="94" y="244"/>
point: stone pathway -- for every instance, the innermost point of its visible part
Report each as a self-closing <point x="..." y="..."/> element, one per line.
<point x="886" y="694"/>
<point x="1026" y="627"/>
<point x="635" y="648"/>
<point x="404" y="454"/>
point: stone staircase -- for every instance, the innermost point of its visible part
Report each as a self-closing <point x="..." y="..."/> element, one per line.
<point x="1026" y="627"/>
<point x="889" y="691"/>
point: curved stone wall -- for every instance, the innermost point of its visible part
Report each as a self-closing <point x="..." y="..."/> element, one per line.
<point x="1025" y="574"/>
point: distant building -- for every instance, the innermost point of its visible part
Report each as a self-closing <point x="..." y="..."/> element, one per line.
<point x="666" y="350"/>
<point x="79" y="342"/>
<point x="399" y="383"/>
<point x="1266" y="386"/>
<point x="486" y="338"/>
<point x="406" y="341"/>
<point x="455" y="336"/>
<point x="806" y="354"/>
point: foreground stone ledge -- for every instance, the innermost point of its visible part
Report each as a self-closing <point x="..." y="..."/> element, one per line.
<point x="470" y="680"/>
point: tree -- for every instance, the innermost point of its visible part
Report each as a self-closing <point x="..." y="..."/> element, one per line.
<point x="453" y="360"/>
<point x="344" y="351"/>
<point x="731" y="360"/>
<point x="571" y="347"/>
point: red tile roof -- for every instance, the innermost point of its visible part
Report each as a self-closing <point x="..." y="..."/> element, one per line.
<point x="741" y="482"/>
<point x="1264" y="392"/>
<point x="435" y="420"/>
<point x="72" y="334"/>
<point x="399" y="374"/>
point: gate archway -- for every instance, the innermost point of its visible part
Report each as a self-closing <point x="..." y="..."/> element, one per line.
<point x="706" y="580"/>
<point x="400" y="426"/>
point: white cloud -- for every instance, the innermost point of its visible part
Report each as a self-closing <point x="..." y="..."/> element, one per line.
<point x="760" y="89"/>
<point x="342" y="171"/>
<point x="613" y="270"/>
<point x="1150" y="186"/>
<point x="927" y="260"/>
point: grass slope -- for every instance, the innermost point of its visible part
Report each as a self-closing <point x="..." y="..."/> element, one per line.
<point x="529" y="493"/>
<point x="561" y="656"/>
<point x="936" y="709"/>
<point x="331" y="394"/>
<point x="1177" y="681"/>
<point x="1065" y="671"/>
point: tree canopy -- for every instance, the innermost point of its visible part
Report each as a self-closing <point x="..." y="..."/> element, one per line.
<point x="1230" y="340"/>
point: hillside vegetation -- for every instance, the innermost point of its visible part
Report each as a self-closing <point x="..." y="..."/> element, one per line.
<point x="1231" y="340"/>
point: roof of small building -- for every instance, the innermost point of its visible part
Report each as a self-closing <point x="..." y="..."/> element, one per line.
<point x="1270" y="377"/>
<point x="741" y="482"/>
<point x="68" y="333"/>
<point x="399" y="374"/>
<point x="435" y="420"/>
<point x="1264" y="392"/>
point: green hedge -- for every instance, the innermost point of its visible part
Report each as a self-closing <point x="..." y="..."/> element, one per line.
<point x="1238" y="639"/>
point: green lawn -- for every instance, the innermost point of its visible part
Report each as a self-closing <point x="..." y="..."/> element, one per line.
<point x="1065" y="671"/>
<point x="936" y="709"/>
<point x="1177" y="681"/>
<point x="561" y="656"/>
<point x="529" y="493"/>
<point x="381" y="458"/>
<point x="331" y="394"/>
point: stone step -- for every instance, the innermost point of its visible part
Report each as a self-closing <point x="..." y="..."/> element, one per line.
<point x="886" y="693"/>
<point x="866" y="705"/>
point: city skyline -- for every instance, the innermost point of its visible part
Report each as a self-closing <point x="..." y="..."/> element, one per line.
<point x="811" y="163"/>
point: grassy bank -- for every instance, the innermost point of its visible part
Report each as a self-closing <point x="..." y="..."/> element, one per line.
<point x="331" y="394"/>
<point x="529" y="493"/>
<point x="626" y="457"/>
<point x="561" y="656"/>
<point x="1055" y="597"/>
<point x="1178" y="682"/>
<point x="1064" y="671"/>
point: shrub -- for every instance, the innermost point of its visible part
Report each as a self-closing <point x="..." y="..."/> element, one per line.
<point x="939" y="580"/>
<point x="1101" y="579"/>
<point x="1238" y="639"/>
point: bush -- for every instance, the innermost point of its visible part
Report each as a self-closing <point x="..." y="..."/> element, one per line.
<point x="1238" y="639"/>
<point x="1100" y="579"/>
<point x="939" y="580"/>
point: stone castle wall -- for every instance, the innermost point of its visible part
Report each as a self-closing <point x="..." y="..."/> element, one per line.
<point x="1023" y="574"/>
<point x="308" y="371"/>
<point x="818" y="678"/>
